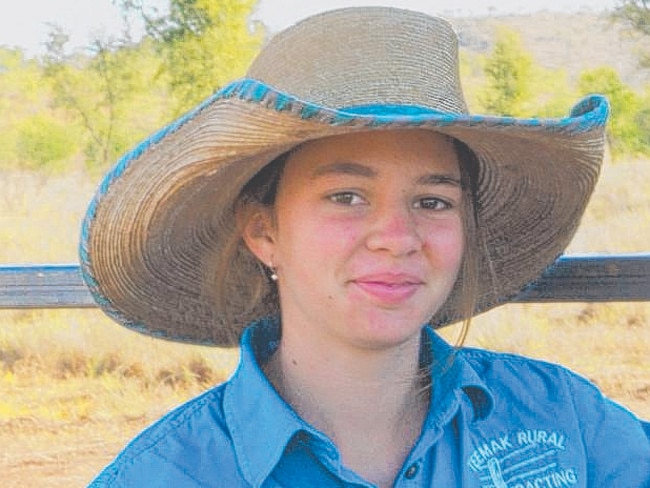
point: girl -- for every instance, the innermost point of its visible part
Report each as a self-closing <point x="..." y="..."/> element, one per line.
<point x="329" y="212"/>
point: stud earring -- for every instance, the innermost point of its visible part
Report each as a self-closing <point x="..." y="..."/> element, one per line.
<point x="274" y="272"/>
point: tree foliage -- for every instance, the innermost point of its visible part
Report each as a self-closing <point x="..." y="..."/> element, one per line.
<point x="43" y="142"/>
<point x="32" y="134"/>
<point x="103" y="91"/>
<point x="203" y="43"/>
<point x="120" y="90"/>
<point x="630" y="126"/>
<point x="19" y="80"/>
<point x="92" y="105"/>
<point x="636" y="15"/>
<point x="549" y="91"/>
<point x="509" y="72"/>
<point x="89" y="88"/>
<point x="629" y="115"/>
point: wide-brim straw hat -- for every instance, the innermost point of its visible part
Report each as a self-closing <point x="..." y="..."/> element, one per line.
<point x="163" y="214"/>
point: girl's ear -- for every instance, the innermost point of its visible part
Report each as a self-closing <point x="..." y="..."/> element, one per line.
<point x="258" y="232"/>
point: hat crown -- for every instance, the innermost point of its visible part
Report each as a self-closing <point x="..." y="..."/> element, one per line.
<point x="366" y="56"/>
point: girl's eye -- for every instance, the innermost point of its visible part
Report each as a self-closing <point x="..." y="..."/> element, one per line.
<point x="347" y="198"/>
<point x="432" y="203"/>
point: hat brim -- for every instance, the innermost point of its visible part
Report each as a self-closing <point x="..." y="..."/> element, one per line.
<point x="162" y="209"/>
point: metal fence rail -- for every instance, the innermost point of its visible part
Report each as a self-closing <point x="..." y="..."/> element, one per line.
<point x="611" y="278"/>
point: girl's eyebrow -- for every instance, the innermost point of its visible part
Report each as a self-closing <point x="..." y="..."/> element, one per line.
<point x="439" y="179"/>
<point x="344" y="167"/>
<point x="357" y="169"/>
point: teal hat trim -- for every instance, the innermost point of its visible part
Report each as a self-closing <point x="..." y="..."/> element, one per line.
<point x="589" y="114"/>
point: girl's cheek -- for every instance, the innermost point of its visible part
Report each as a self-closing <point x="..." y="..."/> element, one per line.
<point x="447" y="242"/>
<point x="336" y="239"/>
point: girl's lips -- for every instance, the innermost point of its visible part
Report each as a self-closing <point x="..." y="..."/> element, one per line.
<point x="390" y="290"/>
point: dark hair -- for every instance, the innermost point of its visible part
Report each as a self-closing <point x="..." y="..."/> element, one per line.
<point x="262" y="189"/>
<point x="466" y="286"/>
<point x="235" y="267"/>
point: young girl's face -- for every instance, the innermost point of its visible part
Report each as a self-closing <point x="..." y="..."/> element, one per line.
<point x="366" y="235"/>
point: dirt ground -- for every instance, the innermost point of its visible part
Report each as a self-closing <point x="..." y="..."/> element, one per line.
<point x="67" y="455"/>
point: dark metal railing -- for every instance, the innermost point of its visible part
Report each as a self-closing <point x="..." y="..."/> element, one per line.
<point x="597" y="278"/>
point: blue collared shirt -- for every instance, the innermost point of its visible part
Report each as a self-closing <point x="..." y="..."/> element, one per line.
<point x="495" y="420"/>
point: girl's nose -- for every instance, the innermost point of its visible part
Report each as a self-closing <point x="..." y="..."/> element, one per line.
<point x="395" y="231"/>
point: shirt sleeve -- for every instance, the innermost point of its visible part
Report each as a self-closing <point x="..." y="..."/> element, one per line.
<point x="617" y="443"/>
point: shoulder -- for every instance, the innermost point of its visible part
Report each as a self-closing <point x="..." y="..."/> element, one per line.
<point x="545" y="389"/>
<point x="538" y="401"/>
<point x="498" y="367"/>
<point x="485" y="359"/>
<point x="173" y="451"/>
<point x="537" y="383"/>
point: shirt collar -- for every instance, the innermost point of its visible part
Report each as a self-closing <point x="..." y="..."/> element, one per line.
<point x="451" y="373"/>
<point x="262" y="424"/>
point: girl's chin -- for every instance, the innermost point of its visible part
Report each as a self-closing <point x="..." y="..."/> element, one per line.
<point x="386" y="332"/>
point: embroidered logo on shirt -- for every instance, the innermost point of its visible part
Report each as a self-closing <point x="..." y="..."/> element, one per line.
<point x="526" y="458"/>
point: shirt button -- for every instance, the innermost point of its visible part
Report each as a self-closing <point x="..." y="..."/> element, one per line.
<point x="411" y="472"/>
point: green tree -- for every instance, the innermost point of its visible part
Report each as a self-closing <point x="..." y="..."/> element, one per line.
<point x="509" y="75"/>
<point x="42" y="142"/>
<point x="636" y="15"/>
<point x="21" y="95"/>
<point x="642" y="119"/>
<point x="203" y="43"/>
<point x="551" y="93"/>
<point x="120" y="89"/>
<point x="19" y="80"/>
<point x="624" y="132"/>
<point x="104" y="92"/>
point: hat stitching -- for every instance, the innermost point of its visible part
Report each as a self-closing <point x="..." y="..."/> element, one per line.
<point x="589" y="112"/>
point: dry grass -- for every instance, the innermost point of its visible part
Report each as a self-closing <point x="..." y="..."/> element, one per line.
<point x="618" y="215"/>
<point x="74" y="387"/>
<point x="40" y="216"/>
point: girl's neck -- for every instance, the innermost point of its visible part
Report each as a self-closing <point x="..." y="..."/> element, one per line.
<point x="370" y="403"/>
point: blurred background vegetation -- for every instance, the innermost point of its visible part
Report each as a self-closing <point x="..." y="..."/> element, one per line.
<point x="67" y="108"/>
<point x="82" y="109"/>
<point x="74" y="386"/>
